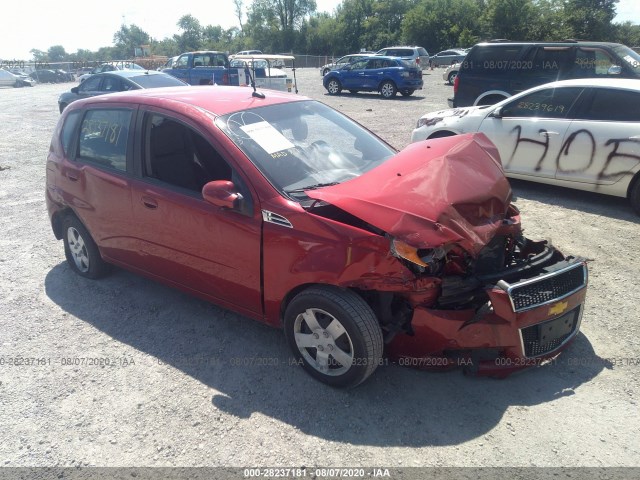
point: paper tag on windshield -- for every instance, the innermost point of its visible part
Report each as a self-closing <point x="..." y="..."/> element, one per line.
<point x="265" y="135"/>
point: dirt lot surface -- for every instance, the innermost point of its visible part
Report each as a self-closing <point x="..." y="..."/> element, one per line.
<point x="127" y="372"/>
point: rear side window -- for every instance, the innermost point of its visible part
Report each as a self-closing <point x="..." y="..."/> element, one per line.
<point x="103" y="138"/>
<point x="553" y="59"/>
<point x="422" y="52"/>
<point x="614" y="106"/>
<point x="492" y="59"/>
<point x="156" y="81"/>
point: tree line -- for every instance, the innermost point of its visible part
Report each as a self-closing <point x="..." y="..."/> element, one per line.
<point x="295" y="26"/>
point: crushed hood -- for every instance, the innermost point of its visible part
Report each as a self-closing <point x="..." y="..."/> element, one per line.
<point x="432" y="193"/>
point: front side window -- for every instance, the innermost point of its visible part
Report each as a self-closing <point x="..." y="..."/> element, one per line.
<point x="104" y="136"/>
<point x="593" y="62"/>
<point x="359" y="65"/>
<point x="547" y="103"/>
<point x="178" y="156"/>
<point x="182" y="62"/>
<point x="91" y="84"/>
<point x="301" y="144"/>
<point x="111" y="84"/>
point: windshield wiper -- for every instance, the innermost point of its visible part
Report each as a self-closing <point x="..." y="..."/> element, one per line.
<point x="311" y="187"/>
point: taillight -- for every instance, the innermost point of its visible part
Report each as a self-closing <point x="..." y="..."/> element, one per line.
<point x="455" y="84"/>
<point x="418" y="61"/>
<point x="225" y="79"/>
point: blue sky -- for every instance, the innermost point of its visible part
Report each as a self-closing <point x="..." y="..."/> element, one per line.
<point x="73" y="28"/>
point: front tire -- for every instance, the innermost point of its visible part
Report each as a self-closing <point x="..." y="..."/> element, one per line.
<point x="81" y="251"/>
<point x="334" y="87"/>
<point x="407" y="93"/>
<point x="335" y="334"/>
<point x="388" y="89"/>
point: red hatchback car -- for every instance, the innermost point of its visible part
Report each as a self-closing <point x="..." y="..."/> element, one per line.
<point x="290" y="213"/>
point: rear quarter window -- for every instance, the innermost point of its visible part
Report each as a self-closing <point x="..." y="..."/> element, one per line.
<point x="68" y="129"/>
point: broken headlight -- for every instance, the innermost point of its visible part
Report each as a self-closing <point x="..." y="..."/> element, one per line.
<point x="421" y="260"/>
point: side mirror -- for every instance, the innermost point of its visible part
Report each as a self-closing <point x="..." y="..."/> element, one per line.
<point x="74" y="90"/>
<point x="497" y="113"/>
<point x="614" y="70"/>
<point x="221" y="193"/>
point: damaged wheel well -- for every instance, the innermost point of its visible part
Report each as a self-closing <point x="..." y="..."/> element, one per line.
<point x="392" y="310"/>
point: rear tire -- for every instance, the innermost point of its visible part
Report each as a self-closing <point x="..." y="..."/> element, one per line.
<point x="452" y="77"/>
<point x="62" y="107"/>
<point x="334" y="334"/>
<point x="81" y="251"/>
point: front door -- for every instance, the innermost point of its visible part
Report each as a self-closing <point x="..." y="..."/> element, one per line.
<point x="184" y="239"/>
<point x="529" y="131"/>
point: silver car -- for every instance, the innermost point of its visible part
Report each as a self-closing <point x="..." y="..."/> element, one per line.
<point x="416" y="55"/>
<point x="342" y="61"/>
<point x="447" y="57"/>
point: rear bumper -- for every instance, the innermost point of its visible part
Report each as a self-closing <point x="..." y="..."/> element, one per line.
<point x="523" y="325"/>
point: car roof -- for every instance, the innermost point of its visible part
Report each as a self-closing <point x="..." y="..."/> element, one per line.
<point x="566" y="43"/>
<point x="626" y="83"/>
<point x="130" y="73"/>
<point x="218" y="100"/>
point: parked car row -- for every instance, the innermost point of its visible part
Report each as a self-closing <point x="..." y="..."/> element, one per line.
<point x="117" y="81"/>
<point x="15" y="79"/>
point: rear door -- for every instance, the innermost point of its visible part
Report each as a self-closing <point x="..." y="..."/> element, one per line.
<point x="602" y="145"/>
<point x="95" y="177"/>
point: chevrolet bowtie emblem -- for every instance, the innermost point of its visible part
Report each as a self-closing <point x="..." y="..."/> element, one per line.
<point x="558" y="308"/>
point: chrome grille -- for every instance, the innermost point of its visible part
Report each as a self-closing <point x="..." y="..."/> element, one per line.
<point x="547" y="288"/>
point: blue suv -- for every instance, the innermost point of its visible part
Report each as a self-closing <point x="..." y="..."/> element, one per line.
<point x="387" y="75"/>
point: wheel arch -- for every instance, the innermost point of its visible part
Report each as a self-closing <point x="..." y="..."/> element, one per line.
<point x="491" y="93"/>
<point x="634" y="181"/>
<point x="57" y="220"/>
<point x="443" y="133"/>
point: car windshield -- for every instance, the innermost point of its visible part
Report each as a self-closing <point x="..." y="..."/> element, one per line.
<point x="156" y="81"/>
<point x="304" y="144"/>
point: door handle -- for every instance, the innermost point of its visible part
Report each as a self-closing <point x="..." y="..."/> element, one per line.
<point x="547" y="134"/>
<point x="149" y="202"/>
<point x="73" y="176"/>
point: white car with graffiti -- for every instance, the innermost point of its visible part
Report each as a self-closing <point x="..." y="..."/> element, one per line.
<point x="582" y="134"/>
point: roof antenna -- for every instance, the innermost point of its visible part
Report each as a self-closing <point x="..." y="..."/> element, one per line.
<point x="252" y="75"/>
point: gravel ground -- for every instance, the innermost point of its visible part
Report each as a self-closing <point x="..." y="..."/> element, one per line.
<point x="127" y="372"/>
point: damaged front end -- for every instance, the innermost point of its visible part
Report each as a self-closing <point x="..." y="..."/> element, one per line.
<point x="482" y="295"/>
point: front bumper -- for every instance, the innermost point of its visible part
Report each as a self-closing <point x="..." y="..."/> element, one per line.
<point x="524" y="324"/>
